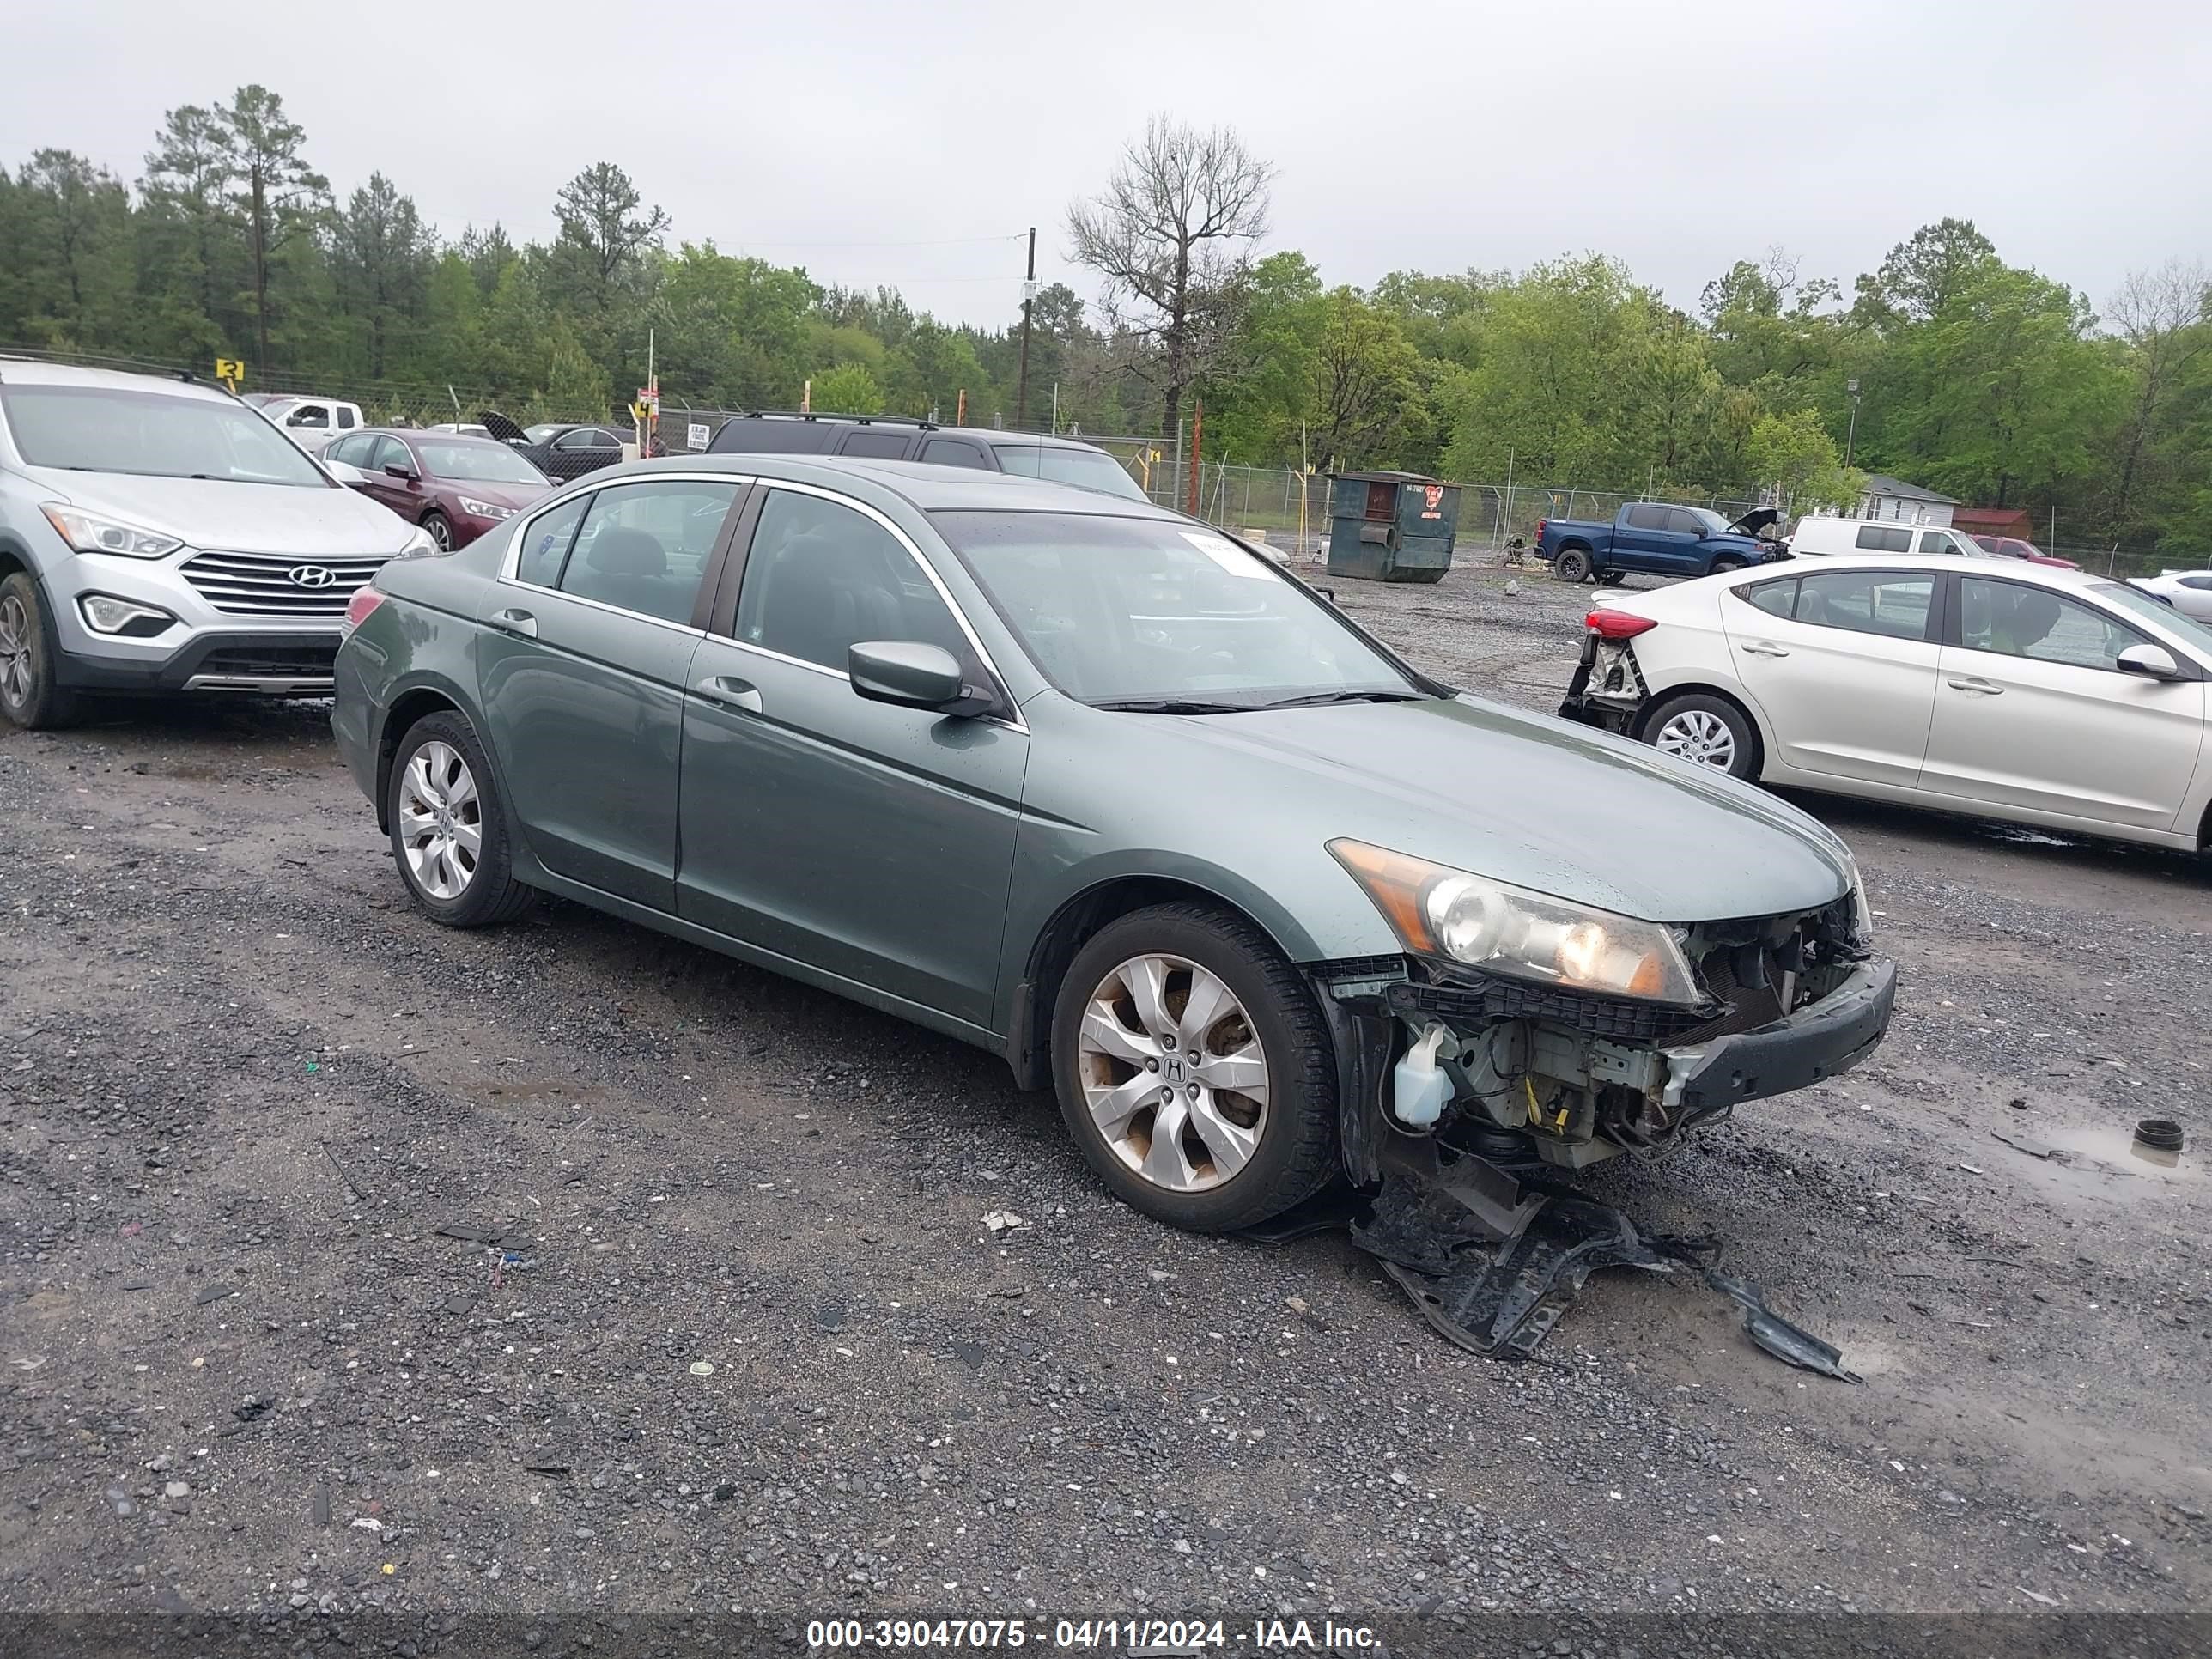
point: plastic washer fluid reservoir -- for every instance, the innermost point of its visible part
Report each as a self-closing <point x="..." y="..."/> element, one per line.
<point x="1420" y="1089"/>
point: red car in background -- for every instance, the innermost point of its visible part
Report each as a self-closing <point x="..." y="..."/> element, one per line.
<point x="456" y="487"/>
<point x="2011" y="547"/>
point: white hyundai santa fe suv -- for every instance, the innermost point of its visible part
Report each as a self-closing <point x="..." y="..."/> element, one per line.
<point x="160" y="536"/>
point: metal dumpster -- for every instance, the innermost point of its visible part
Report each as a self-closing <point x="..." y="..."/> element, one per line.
<point x="1391" y="526"/>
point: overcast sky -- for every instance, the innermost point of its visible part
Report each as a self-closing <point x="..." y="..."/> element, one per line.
<point x="877" y="142"/>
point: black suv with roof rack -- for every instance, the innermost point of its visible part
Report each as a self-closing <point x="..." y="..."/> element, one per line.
<point x="891" y="438"/>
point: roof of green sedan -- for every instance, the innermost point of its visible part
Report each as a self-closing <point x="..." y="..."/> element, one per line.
<point x="929" y="488"/>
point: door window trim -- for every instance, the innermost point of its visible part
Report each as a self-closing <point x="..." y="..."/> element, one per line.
<point x="709" y="578"/>
<point x="1933" y="632"/>
<point x="723" y="624"/>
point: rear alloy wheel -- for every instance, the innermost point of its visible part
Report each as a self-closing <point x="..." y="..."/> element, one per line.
<point x="1707" y="730"/>
<point x="441" y="531"/>
<point x="30" y="694"/>
<point x="1573" y="565"/>
<point x="449" y="831"/>
<point x="1194" y="1069"/>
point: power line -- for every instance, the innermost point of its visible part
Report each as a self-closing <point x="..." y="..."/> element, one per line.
<point x="940" y="241"/>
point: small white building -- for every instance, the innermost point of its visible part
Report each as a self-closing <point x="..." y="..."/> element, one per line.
<point x="1893" y="498"/>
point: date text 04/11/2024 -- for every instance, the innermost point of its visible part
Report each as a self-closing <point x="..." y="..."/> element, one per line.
<point x="1135" y="1638"/>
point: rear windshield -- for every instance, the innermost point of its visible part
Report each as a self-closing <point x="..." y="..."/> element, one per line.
<point x="1090" y="469"/>
<point x="153" y="435"/>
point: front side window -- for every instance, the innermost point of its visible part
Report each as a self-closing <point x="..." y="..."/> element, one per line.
<point x="1887" y="602"/>
<point x="1118" y="611"/>
<point x="389" y="452"/>
<point x="1684" y="522"/>
<point x="310" y="414"/>
<point x="1938" y="541"/>
<point x="822" y="577"/>
<point x="2018" y="620"/>
<point x="152" y="435"/>
<point x="644" y="547"/>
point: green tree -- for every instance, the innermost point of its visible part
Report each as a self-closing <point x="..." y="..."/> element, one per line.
<point x="1364" y="382"/>
<point x="272" y="192"/>
<point x="1920" y="277"/>
<point x="605" y="230"/>
<point x="73" y="223"/>
<point x="1794" y="456"/>
<point x="847" y="389"/>
<point x="192" y="260"/>
<point x="382" y="251"/>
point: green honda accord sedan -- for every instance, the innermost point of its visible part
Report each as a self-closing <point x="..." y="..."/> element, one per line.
<point x="1102" y="790"/>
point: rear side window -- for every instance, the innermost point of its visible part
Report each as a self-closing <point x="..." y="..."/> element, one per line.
<point x="1885" y="538"/>
<point x="545" y="547"/>
<point x="883" y="445"/>
<point x="949" y="451"/>
<point x="774" y="437"/>
<point x="1647" y="518"/>
<point x="347" y="419"/>
<point x="1775" y="598"/>
<point x="644" y="547"/>
<point x="1891" y="602"/>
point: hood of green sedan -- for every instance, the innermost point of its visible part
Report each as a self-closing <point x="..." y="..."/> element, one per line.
<point x="1521" y="798"/>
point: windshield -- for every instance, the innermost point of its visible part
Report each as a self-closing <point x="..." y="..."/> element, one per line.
<point x="152" y="435"/>
<point x="478" y="463"/>
<point x="2137" y="602"/>
<point x="1134" y="610"/>
<point x="1090" y="469"/>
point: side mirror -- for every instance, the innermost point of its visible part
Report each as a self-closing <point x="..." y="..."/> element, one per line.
<point x="2152" y="662"/>
<point x="344" y="472"/>
<point x="399" y="470"/>
<point x="906" y="672"/>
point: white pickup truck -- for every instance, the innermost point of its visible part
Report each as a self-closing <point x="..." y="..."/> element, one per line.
<point x="309" y="422"/>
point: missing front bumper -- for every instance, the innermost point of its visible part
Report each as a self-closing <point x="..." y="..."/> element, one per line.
<point x="1830" y="1037"/>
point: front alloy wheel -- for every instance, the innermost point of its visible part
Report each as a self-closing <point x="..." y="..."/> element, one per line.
<point x="31" y="694"/>
<point x="1173" y="1076"/>
<point x="1194" y="1068"/>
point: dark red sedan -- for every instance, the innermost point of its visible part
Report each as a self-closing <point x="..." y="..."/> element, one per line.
<point x="456" y="487"/>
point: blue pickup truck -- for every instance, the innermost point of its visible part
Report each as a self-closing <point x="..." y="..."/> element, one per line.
<point x="1658" y="538"/>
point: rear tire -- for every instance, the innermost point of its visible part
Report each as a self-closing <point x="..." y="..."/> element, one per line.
<point x="451" y="835"/>
<point x="1119" y="1026"/>
<point x="31" y="694"/>
<point x="1711" y="731"/>
<point x="1572" y="565"/>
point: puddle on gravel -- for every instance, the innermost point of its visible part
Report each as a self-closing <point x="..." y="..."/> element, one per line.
<point x="2100" y="1154"/>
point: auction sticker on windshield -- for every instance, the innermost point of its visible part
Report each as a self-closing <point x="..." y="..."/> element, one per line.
<point x="1226" y="553"/>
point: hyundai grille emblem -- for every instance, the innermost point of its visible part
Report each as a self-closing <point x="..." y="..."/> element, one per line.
<point x="312" y="575"/>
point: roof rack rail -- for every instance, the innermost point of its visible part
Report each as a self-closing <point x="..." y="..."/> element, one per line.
<point x="829" y="414"/>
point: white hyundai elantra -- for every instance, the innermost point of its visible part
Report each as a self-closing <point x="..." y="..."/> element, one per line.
<point x="2047" y="696"/>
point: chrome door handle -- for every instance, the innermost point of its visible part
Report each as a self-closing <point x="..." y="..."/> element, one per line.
<point x="1983" y="687"/>
<point x="731" y="692"/>
<point x="516" y="621"/>
<point x="1762" y="648"/>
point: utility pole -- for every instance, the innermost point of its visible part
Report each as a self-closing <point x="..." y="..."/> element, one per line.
<point x="1193" y="478"/>
<point x="1022" y="373"/>
<point x="1851" y="442"/>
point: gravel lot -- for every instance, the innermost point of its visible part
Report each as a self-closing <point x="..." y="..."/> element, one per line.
<point x="762" y="1350"/>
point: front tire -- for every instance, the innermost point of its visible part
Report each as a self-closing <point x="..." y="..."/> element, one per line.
<point x="31" y="694"/>
<point x="441" y="531"/>
<point x="1722" y="567"/>
<point x="1573" y="565"/>
<point x="1708" y="730"/>
<point x="1194" y="1070"/>
<point x="450" y="838"/>
<point x="1611" y="578"/>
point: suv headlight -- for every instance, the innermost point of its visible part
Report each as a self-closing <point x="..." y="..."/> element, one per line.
<point x="485" y="509"/>
<point x="1437" y="911"/>
<point x="93" y="533"/>
<point x="418" y="546"/>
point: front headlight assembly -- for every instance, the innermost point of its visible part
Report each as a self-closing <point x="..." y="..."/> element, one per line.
<point x="1437" y="911"/>
<point x="485" y="509"/>
<point x="95" y="532"/>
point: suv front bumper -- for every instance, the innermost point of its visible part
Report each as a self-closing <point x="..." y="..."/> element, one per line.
<point x="292" y="664"/>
